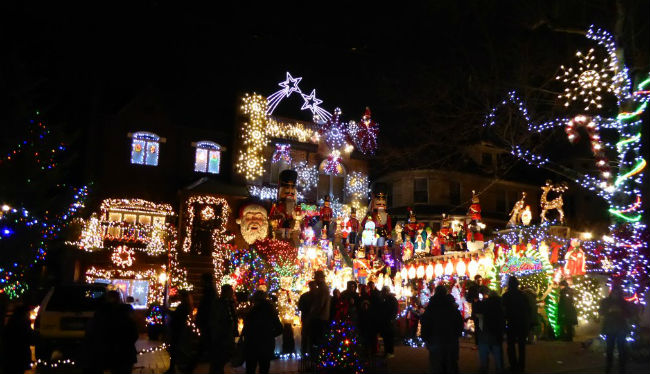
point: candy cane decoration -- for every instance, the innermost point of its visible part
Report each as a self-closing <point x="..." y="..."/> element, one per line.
<point x="597" y="148"/>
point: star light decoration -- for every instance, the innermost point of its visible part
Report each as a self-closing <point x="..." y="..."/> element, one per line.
<point x="311" y="102"/>
<point x="623" y="196"/>
<point x="589" y="80"/>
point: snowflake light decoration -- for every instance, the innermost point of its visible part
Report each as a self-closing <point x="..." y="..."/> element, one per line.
<point x="335" y="132"/>
<point x="588" y="80"/>
<point x="356" y="185"/>
<point x="307" y="176"/>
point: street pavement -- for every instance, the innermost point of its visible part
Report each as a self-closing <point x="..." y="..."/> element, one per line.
<point x="543" y="357"/>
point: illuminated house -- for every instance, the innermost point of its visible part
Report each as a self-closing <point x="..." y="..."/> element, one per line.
<point x="132" y="245"/>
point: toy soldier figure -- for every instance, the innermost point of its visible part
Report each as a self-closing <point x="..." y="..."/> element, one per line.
<point x="353" y="226"/>
<point x="326" y="214"/>
<point x="283" y="210"/>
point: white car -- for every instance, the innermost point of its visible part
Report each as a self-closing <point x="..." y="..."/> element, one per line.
<point x="62" y="318"/>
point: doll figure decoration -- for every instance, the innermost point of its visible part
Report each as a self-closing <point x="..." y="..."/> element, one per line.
<point x="379" y="214"/>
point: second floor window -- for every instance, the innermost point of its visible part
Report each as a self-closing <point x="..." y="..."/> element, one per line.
<point x="420" y="190"/>
<point x="144" y="148"/>
<point x="208" y="157"/>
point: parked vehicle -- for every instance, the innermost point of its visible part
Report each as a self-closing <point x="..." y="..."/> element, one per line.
<point x="62" y="318"/>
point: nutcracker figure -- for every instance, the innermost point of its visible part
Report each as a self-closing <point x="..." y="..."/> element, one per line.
<point x="352" y="227"/>
<point x="326" y="214"/>
<point x="283" y="210"/>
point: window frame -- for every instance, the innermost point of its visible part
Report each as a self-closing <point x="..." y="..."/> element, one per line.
<point x="146" y="139"/>
<point x="425" y="191"/>
<point x="209" y="147"/>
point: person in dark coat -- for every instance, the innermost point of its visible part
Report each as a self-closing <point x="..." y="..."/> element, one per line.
<point x="261" y="326"/>
<point x="319" y="313"/>
<point x="442" y="325"/>
<point x="567" y="315"/>
<point x="490" y="325"/>
<point x="304" y="305"/>
<point x="517" y="315"/>
<point x="615" y="312"/>
<point x="17" y="336"/>
<point x="110" y="337"/>
<point x="179" y="333"/>
<point x="351" y="300"/>
<point x="387" y="315"/>
<point x="223" y="327"/>
<point x="203" y="315"/>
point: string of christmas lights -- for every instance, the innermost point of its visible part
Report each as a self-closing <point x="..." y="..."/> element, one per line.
<point x="629" y="266"/>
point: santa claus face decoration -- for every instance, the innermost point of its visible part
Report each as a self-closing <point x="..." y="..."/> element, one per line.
<point x="253" y="223"/>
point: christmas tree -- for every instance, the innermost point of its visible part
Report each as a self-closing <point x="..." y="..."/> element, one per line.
<point x="36" y="205"/>
<point x="340" y="351"/>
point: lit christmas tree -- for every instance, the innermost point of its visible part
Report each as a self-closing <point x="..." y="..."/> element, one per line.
<point x="340" y="352"/>
<point x="36" y="205"/>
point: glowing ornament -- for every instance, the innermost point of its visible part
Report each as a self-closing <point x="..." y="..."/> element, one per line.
<point x="439" y="270"/>
<point x="472" y="268"/>
<point x="449" y="268"/>
<point x="420" y="271"/>
<point x="429" y="272"/>
<point x="461" y="268"/>
<point x="412" y="272"/>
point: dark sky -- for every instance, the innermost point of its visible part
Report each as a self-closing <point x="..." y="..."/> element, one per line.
<point x="418" y="65"/>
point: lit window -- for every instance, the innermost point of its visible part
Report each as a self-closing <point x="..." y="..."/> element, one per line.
<point x="144" y="148"/>
<point x="208" y="157"/>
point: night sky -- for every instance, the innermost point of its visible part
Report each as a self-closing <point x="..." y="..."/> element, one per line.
<point x="430" y="69"/>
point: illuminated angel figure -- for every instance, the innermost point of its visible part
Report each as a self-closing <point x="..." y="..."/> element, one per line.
<point x="588" y="80"/>
<point x="515" y="213"/>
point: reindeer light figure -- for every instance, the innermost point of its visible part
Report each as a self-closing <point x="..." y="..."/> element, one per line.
<point x="556" y="203"/>
<point x="515" y="214"/>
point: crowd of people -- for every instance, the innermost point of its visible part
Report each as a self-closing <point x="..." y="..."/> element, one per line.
<point x="112" y="332"/>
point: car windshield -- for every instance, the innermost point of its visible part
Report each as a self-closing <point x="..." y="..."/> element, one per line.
<point x="76" y="298"/>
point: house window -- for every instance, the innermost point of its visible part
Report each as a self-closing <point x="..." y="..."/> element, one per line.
<point x="420" y="190"/>
<point x="144" y="148"/>
<point x="486" y="159"/>
<point x="208" y="157"/>
<point x="454" y="193"/>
